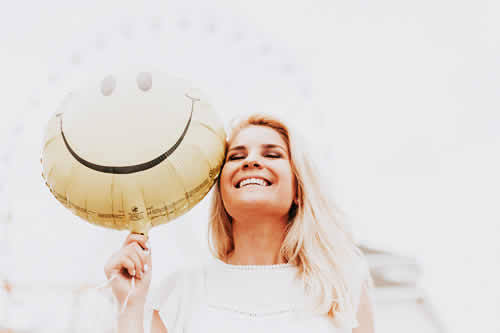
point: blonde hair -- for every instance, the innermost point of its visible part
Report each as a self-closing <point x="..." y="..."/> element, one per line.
<point x="316" y="241"/>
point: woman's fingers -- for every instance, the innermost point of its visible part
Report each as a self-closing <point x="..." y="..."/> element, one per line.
<point x="148" y="257"/>
<point x="129" y="264"/>
<point x="140" y="258"/>
<point x="139" y="238"/>
<point x="134" y="258"/>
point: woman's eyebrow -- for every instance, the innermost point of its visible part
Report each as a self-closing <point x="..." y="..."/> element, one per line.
<point x="237" y="148"/>
<point x="270" y="145"/>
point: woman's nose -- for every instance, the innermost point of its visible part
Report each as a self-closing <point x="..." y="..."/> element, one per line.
<point x="251" y="164"/>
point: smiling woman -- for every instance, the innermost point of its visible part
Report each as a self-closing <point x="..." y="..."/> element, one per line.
<point x="283" y="262"/>
<point x="293" y="221"/>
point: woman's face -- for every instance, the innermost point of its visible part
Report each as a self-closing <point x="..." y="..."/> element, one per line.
<point x="257" y="177"/>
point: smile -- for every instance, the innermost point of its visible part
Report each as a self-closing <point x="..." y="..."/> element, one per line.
<point x="252" y="181"/>
<point x="126" y="169"/>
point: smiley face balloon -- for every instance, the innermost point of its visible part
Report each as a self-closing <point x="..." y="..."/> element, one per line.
<point x="134" y="150"/>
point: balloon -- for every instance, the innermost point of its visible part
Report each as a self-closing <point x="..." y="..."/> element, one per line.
<point x="131" y="151"/>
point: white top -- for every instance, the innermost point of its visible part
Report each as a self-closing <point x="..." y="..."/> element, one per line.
<point x="219" y="297"/>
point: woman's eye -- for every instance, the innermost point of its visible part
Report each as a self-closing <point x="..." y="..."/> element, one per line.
<point x="235" y="157"/>
<point x="273" y="155"/>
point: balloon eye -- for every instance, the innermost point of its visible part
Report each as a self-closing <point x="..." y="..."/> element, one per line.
<point x="108" y="84"/>
<point x="144" y="81"/>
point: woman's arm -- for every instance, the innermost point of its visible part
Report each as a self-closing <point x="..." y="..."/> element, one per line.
<point x="365" y="315"/>
<point x="131" y="320"/>
<point x="157" y="325"/>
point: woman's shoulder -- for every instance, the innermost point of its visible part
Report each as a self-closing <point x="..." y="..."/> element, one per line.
<point x="178" y="284"/>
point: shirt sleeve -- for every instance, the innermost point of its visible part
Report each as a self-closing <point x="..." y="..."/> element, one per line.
<point x="360" y="276"/>
<point x="168" y="300"/>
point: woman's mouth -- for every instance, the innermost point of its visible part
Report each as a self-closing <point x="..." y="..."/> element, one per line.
<point x="253" y="182"/>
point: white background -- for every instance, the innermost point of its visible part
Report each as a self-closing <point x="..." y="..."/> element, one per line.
<point x="405" y="96"/>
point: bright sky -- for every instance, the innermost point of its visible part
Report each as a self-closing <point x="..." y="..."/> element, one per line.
<point x="405" y="93"/>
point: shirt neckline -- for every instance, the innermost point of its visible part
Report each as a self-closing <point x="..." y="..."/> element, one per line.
<point x="254" y="268"/>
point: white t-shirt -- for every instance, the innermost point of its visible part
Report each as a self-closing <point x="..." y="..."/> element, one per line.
<point x="218" y="297"/>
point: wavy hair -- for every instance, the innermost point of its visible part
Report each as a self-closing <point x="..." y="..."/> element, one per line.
<point x="316" y="240"/>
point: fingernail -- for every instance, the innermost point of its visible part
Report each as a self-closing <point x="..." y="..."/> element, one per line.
<point x="146" y="268"/>
<point x="133" y="272"/>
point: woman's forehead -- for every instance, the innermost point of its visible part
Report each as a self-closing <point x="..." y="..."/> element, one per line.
<point x="257" y="135"/>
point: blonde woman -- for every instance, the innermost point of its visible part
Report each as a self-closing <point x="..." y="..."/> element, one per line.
<point x="284" y="262"/>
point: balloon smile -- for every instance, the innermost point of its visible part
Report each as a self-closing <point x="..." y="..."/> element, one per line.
<point x="129" y="168"/>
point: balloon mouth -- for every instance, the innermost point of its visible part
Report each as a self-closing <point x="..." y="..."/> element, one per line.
<point x="128" y="169"/>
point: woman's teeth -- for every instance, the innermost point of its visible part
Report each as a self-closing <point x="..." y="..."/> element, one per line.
<point x="252" y="181"/>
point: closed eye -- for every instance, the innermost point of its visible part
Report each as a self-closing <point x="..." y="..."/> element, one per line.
<point x="235" y="157"/>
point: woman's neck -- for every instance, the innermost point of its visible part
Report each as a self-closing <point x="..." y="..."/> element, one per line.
<point x="257" y="242"/>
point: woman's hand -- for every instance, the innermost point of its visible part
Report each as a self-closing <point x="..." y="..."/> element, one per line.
<point x="132" y="260"/>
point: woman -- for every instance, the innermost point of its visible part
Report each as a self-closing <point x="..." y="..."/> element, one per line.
<point x="284" y="262"/>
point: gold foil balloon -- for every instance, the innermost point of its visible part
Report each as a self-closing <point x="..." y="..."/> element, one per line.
<point x="134" y="150"/>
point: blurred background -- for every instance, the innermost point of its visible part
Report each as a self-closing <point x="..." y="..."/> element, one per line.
<point x="399" y="101"/>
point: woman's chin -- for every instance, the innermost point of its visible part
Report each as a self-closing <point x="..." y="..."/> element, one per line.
<point x="254" y="199"/>
<point x="258" y="207"/>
